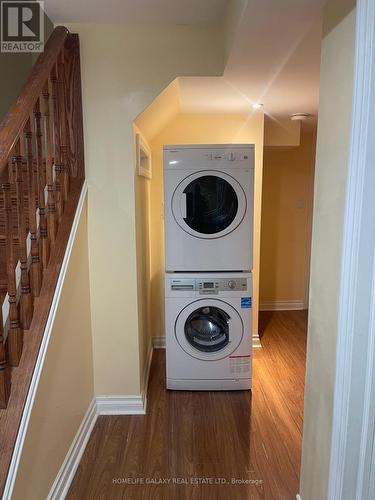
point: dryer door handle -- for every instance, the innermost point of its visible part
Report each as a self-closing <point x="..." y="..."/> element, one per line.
<point x="183" y="205"/>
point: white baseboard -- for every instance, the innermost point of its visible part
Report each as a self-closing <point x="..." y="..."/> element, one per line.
<point x="298" y="497"/>
<point x="100" y="405"/>
<point x="68" y="469"/>
<point x="121" y="405"/>
<point x="127" y="405"/>
<point x="256" y="342"/>
<point x="158" y="342"/>
<point x="286" y="305"/>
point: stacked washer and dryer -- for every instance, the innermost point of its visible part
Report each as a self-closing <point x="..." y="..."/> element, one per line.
<point x="208" y="200"/>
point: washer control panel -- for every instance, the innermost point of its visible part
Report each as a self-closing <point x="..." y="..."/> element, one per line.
<point x="208" y="286"/>
<point x="221" y="285"/>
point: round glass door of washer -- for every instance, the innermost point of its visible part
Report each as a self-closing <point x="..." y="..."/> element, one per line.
<point x="209" y="329"/>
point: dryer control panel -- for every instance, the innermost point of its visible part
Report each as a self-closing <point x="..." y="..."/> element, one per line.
<point x="198" y="157"/>
<point x="208" y="286"/>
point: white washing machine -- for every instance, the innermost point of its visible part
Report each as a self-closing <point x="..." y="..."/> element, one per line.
<point x="208" y="331"/>
<point x="208" y="197"/>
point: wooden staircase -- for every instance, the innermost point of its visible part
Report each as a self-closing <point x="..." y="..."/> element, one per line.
<point x="41" y="177"/>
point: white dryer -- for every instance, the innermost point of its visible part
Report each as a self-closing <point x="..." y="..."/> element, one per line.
<point x="208" y="331"/>
<point x="208" y="198"/>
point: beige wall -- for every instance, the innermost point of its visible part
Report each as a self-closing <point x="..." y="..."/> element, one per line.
<point x="160" y="112"/>
<point x="281" y="133"/>
<point x="66" y="386"/>
<point x="199" y="129"/>
<point x="288" y="178"/>
<point x="123" y="69"/>
<point x="334" y="126"/>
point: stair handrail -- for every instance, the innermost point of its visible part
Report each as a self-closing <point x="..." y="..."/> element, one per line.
<point x="42" y="176"/>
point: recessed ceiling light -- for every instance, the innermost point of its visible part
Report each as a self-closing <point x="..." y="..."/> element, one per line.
<point x="300" y="116"/>
<point x="257" y="105"/>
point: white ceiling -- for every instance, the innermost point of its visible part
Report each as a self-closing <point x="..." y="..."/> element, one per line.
<point x="274" y="54"/>
<point x="136" y="11"/>
<point x="275" y="59"/>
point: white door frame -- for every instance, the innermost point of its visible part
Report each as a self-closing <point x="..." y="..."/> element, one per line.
<point x="352" y="455"/>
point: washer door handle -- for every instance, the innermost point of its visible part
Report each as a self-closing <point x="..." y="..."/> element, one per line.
<point x="183" y="205"/>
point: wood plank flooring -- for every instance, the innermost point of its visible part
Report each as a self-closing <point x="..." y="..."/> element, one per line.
<point x="189" y="440"/>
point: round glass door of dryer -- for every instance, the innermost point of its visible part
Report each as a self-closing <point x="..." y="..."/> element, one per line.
<point x="209" y="329"/>
<point x="209" y="204"/>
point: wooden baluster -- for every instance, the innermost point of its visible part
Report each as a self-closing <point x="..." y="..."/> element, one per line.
<point x="51" y="213"/>
<point x="15" y="334"/>
<point x="26" y="301"/>
<point x="4" y="370"/>
<point x="36" y="269"/>
<point x="41" y="183"/>
<point x="65" y="148"/>
<point x="59" y="167"/>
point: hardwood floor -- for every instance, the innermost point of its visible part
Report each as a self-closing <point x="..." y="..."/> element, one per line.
<point x="203" y="437"/>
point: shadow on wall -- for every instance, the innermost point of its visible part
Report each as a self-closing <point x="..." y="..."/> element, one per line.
<point x="264" y="320"/>
<point x="157" y="304"/>
<point x="270" y="228"/>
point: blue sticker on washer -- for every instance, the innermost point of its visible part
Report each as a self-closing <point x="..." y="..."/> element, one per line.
<point x="246" y="302"/>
